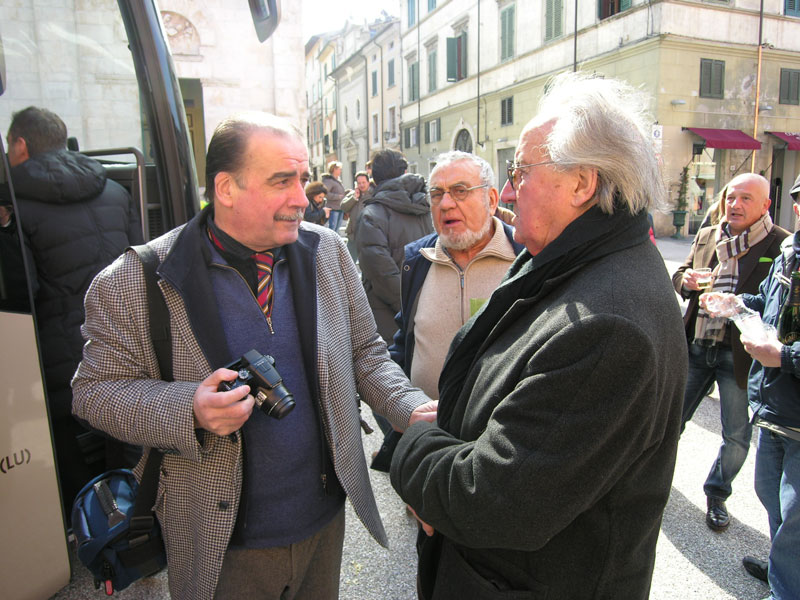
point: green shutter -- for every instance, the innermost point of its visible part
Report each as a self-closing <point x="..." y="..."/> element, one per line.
<point x="462" y="51"/>
<point x="507" y="33"/>
<point x="557" y="9"/>
<point x="705" y="77"/>
<point x="624" y="5"/>
<point x="718" y="79"/>
<point x="452" y="59"/>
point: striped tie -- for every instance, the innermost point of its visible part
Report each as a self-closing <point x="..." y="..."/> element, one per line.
<point x="264" y="262"/>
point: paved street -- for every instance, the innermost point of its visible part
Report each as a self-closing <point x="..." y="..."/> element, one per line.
<point x="692" y="562"/>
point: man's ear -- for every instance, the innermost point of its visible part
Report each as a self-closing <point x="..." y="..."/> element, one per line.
<point x="585" y="186"/>
<point x="494" y="199"/>
<point x="224" y="185"/>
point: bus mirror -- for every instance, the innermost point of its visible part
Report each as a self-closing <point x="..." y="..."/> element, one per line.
<point x="266" y="16"/>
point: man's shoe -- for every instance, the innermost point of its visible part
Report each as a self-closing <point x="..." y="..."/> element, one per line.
<point x="756" y="568"/>
<point x="717" y="517"/>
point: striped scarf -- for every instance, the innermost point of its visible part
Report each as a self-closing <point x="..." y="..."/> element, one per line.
<point x="726" y="274"/>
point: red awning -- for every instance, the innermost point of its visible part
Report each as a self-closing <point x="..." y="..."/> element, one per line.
<point x="732" y="139"/>
<point x="792" y="139"/>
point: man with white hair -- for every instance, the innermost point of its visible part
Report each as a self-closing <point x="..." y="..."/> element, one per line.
<point x="740" y="250"/>
<point x="449" y="274"/>
<point x="551" y="461"/>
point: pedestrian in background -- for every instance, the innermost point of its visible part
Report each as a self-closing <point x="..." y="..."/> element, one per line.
<point x="351" y="205"/>
<point x="739" y="250"/>
<point x="316" y="211"/>
<point x="334" y="195"/>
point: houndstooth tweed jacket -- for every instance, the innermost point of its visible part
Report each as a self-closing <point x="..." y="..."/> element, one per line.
<point x="117" y="387"/>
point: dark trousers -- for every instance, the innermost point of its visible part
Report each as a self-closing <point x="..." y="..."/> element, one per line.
<point x="306" y="570"/>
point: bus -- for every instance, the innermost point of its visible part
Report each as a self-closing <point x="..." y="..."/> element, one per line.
<point x="105" y="68"/>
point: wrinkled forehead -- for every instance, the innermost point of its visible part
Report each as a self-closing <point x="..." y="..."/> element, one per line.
<point x="749" y="184"/>
<point x="532" y="142"/>
<point x="460" y="171"/>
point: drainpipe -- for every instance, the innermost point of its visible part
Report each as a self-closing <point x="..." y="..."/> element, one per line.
<point x="575" y="41"/>
<point x="758" y="82"/>
<point x="380" y="120"/>
<point x="478" y="85"/>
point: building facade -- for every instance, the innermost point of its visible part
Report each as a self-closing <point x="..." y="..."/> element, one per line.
<point x="474" y="87"/>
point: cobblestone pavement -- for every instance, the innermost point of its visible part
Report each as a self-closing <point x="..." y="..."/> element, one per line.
<point x="692" y="562"/>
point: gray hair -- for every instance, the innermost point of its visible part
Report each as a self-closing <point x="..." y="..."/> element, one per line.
<point x="448" y="158"/>
<point x="603" y="124"/>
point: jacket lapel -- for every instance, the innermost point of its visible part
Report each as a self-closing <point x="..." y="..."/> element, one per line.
<point x="186" y="269"/>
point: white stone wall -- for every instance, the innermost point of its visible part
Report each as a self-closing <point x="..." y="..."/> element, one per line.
<point x="72" y="58"/>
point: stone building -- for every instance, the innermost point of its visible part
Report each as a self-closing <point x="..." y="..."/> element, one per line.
<point x="474" y="74"/>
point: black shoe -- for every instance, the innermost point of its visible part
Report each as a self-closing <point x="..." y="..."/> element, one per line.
<point x="717" y="517"/>
<point x="756" y="568"/>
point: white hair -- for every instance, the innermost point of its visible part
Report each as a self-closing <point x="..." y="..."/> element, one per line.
<point x="603" y="124"/>
<point x="448" y="158"/>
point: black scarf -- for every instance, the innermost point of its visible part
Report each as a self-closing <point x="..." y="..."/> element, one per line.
<point x="591" y="236"/>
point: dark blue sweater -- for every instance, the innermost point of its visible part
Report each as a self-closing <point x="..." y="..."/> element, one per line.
<point x="282" y="499"/>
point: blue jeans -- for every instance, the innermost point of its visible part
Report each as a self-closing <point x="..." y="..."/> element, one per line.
<point x="778" y="488"/>
<point x="335" y="219"/>
<point x="705" y="366"/>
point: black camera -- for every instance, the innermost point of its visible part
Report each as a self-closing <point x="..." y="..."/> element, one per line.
<point x="266" y="385"/>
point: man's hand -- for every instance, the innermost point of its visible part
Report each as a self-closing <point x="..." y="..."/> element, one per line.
<point x="327" y="212"/>
<point x="424" y="412"/>
<point x="221" y="412"/>
<point x="721" y="304"/>
<point x="425" y="527"/>
<point x="766" y="350"/>
<point x="690" y="277"/>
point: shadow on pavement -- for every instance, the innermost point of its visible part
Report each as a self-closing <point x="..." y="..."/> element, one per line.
<point x="717" y="555"/>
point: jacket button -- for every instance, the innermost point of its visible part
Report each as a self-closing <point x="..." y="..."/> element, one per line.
<point x="223" y="505"/>
<point x="406" y="268"/>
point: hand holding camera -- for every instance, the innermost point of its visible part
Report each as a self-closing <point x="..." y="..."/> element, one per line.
<point x="260" y="384"/>
<point x="258" y="371"/>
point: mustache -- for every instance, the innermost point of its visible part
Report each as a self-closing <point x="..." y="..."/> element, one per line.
<point x="294" y="216"/>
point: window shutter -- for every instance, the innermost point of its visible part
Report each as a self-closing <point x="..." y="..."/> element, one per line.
<point x="705" y="77"/>
<point x="407" y="137"/>
<point x="452" y="59"/>
<point x="462" y="56"/>
<point x="718" y="78"/>
<point x="438" y="129"/>
<point x="427" y="132"/>
<point x="548" y="20"/>
<point x="624" y="4"/>
<point x="557" y="8"/>
<point x="784" y="88"/>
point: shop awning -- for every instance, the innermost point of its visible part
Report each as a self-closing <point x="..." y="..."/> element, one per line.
<point x="792" y="139"/>
<point x="731" y="139"/>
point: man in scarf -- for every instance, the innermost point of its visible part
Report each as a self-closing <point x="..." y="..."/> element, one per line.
<point x="551" y="461"/>
<point x="740" y="250"/>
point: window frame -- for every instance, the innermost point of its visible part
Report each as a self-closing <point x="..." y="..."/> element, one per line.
<point x="711" y="69"/>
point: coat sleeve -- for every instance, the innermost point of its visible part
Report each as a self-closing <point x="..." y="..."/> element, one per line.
<point x="578" y="415"/>
<point x="374" y="255"/>
<point x="117" y="387"/>
<point x="380" y="381"/>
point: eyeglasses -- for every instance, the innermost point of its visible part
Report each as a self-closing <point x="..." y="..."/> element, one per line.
<point x="457" y="192"/>
<point x="514" y="171"/>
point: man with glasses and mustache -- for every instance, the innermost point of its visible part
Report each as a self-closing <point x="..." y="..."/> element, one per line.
<point x="250" y="506"/>
<point x="449" y="274"/>
<point x="549" y="466"/>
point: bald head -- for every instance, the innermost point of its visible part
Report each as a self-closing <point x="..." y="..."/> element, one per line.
<point x="746" y="201"/>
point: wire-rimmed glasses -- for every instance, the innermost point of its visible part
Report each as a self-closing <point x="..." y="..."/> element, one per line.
<point x="458" y="192"/>
<point x="513" y="170"/>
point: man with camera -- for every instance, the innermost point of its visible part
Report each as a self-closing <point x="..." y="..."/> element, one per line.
<point x="248" y="504"/>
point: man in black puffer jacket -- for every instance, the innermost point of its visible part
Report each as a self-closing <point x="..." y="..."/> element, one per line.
<point x="399" y="212"/>
<point x="75" y="222"/>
